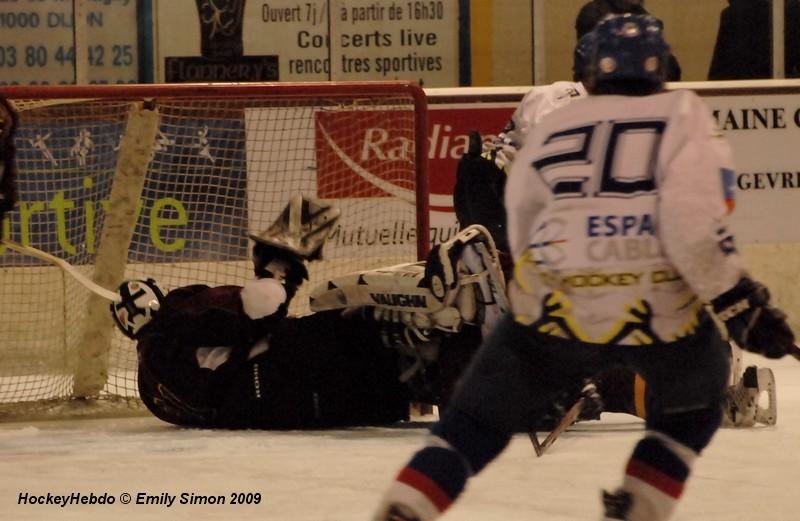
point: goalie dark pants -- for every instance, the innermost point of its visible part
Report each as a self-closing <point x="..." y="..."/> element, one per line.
<point x="518" y="372"/>
<point x="320" y="371"/>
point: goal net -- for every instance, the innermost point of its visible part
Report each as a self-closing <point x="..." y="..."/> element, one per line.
<point x="166" y="181"/>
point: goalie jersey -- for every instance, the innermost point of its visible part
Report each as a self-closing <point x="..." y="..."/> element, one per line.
<point x="618" y="225"/>
<point x="207" y="360"/>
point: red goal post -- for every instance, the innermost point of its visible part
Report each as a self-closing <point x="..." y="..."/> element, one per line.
<point x="165" y="181"/>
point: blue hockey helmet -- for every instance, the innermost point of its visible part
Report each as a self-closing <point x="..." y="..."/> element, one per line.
<point x="629" y="49"/>
<point x="582" y="56"/>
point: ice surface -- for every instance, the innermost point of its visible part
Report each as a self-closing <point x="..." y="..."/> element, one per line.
<point x="748" y="474"/>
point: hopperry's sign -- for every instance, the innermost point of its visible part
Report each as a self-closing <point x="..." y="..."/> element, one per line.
<point x="308" y="40"/>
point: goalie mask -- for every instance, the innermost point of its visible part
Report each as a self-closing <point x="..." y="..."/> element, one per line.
<point x="301" y="229"/>
<point x="139" y="301"/>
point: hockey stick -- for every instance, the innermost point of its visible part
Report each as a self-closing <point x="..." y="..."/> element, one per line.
<point x="795" y="351"/>
<point x="568" y="419"/>
<point x="68" y="268"/>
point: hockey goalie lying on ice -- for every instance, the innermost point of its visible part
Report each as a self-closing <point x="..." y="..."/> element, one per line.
<point x="231" y="357"/>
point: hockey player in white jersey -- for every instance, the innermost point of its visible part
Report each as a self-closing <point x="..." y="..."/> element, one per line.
<point x="478" y="197"/>
<point x="617" y="225"/>
<point x="482" y="171"/>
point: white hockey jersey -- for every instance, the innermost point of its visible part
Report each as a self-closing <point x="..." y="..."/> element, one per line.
<point x="537" y="102"/>
<point x="617" y="219"/>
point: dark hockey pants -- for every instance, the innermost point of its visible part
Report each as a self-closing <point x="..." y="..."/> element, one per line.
<point x="518" y="373"/>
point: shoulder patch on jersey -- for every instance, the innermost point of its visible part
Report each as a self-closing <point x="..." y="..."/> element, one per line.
<point x="728" y="181"/>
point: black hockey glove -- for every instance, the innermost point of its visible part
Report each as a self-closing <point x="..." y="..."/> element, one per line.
<point x="478" y="193"/>
<point x="752" y="323"/>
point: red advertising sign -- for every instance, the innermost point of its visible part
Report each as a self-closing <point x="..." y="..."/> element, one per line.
<point x="358" y="159"/>
<point x="364" y="154"/>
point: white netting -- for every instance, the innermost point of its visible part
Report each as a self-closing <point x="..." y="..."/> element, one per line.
<point x="219" y="166"/>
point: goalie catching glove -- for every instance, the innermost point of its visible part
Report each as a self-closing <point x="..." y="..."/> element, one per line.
<point x="301" y="229"/>
<point x="752" y="322"/>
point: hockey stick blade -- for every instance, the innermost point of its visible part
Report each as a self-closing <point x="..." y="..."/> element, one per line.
<point x="68" y="268"/>
<point x="568" y="419"/>
<point x="537" y="445"/>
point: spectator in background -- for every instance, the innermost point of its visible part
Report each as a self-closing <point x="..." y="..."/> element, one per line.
<point x="595" y="10"/>
<point x="744" y="41"/>
<point x="8" y="191"/>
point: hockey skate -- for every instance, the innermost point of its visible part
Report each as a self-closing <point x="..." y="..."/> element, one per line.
<point x="617" y="505"/>
<point x="744" y="407"/>
<point x="398" y="512"/>
<point x="587" y="407"/>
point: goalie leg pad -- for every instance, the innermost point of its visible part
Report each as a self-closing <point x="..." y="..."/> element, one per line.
<point x="489" y="281"/>
<point x="462" y="281"/>
<point x="466" y="272"/>
<point x="444" y="265"/>
<point x="401" y="288"/>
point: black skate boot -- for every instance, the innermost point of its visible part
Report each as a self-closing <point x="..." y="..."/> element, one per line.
<point x="398" y="512"/>
<point x="617" y="505"/>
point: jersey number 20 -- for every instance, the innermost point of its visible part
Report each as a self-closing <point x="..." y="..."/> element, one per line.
<point x="565" y="184"/>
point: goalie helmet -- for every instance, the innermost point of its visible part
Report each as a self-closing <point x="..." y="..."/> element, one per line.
<point x="139" y="301"/>
<point x="301" y="229"/>
<point x="629" y="55"/>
